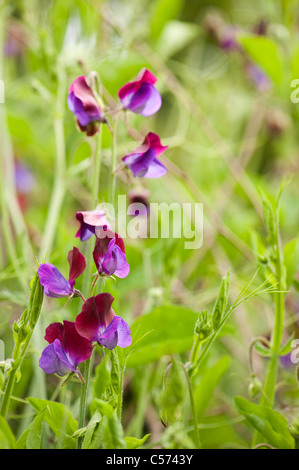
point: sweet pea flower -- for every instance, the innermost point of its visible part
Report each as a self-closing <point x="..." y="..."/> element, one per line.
<point x="98" y="322"/>
<point x="109" y="254"/>
<point x="89" y="220"/>
<point x="83" y="103"/>
<point x="140" y="96"/>
<point x="66" y="349"/>
<point x="55" y="284"/>
<point x="143" y="161"/>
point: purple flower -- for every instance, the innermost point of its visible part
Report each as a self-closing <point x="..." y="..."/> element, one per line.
<point x="143" y="161"/>
<point x="89" y="220"/>
<point x="55" y="285"/>
<point x="109" y="254"/>
<point x="24" y="178"/>
<point x="83" y="103"/>
<point x="66" y="349"/>
<point x="141" y="96"/>
<point x="258" y="77"/>
<point x="98" y="322"/>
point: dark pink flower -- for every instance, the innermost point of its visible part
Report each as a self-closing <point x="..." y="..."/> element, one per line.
<point x="83" y="103"/>
<point x="98" y="322"/>
<point x="143" y="161"/>
<point x="55" y="284"/>
<point x="66" y="349"/>
<point x="89" y="220"/>
<point x="109" y="254"/>
<point x="140" y="96"/>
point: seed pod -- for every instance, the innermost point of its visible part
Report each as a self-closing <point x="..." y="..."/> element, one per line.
<point x="221" y="302"/>
<point x="35" y="301"/>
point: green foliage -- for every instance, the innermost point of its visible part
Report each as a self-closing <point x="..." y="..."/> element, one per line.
<point x="165" y="330"/>
<point x="270" y="423"/>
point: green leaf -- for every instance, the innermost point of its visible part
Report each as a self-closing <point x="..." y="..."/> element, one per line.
<point x="93" y="436"/>
<point x="102" y="378"/>
<point x="209" y="380"/>
<point x="175" y="36"/>
<point x="287" y="347"/>
<point x="270" y="423"/>
<point x="291" y="260"/>
<point x="266" y="53"/>
<point x="173" y="394"/>
<point x="161" y="12"/>
<point x="32" y="436"/>
<point x="165" y="330"/>
<point x="59" y="418"/>
<point x="7" y="439"/>
<point x="112" y="430"/>
<point x="134" y="443"/>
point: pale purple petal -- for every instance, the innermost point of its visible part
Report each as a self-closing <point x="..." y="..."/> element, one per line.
<point x="55" y="361"/>
<point x="146" y="101"/>
<point x="53" y="281"/>
<point x="116" y="334"/>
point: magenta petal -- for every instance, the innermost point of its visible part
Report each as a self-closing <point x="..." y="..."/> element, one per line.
<point x="89" y="220"/>
<point x="77" y="265"/>
<point x="95" y="316"/>
<point x="76" y="347"/>
<point x="82" y="102"/>
<point x="53" y="281"/>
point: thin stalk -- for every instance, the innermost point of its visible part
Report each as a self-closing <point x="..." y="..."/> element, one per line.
<point x="268" y="396"/>
<point x="82" y="413"/>
<point x="96" y="168"/>
<point x="120" y="398"/>
<point x="193" y="408"/>
<point x="114" y="161"/>
<point x="59" y="188"/>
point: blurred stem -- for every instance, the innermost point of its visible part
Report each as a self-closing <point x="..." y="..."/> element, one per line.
<point x="10" y="209"/>
<point x="96" y="168"/>
<point x="87" y="369"/>
<point x="271" y="377"/>
<point x="193" y="408"/>
<point x="114" y="160"/>
<point x="120" y="397"/>
<point x="59" y="187"/>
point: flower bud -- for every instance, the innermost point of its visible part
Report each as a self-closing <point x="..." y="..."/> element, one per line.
<point x="203" y="326"/>
<point x="255" y="386"/>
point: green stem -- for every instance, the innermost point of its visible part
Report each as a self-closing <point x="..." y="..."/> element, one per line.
<point x="59" y="187"/>
<point x="96" y="168"/>
<point x="114" y="162"/>
<point x="82" y="414"/>
<point x="120" y="397"/>
<point x="268" y="396"/>
<point x="193" y="408"/>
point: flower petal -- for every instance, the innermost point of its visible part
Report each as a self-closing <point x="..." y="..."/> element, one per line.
<point x="54" y="360"/>
<point x="53" y="281"/>
<point x="95" y="316"/>
<point x="77" y="265"/>
<point x="146" y="101"/>
<point x="116" y="334"/>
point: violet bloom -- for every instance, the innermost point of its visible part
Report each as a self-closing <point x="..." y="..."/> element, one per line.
<point x="66" y="349"/>
<point x="98" y="322"/>
<point x="141" y="96"/>
<point x="109" y="254"/>
<point x="143" y="161"/>
<point x="258" y="77"/>
<point x="89" y="220"/>
<point x="24" y="178"/>
<point x="83" y="103"/>
<point x="55" y="285"/>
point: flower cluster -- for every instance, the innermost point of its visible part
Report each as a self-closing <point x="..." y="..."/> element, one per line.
<point x="139" y="96"/>
<point x="71" y="343"/>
